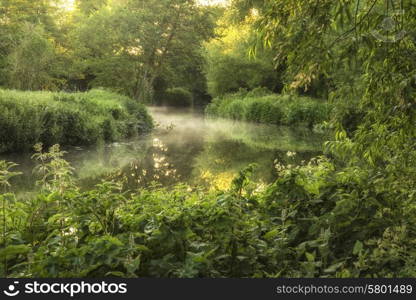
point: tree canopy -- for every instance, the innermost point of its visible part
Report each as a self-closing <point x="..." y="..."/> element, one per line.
<point x="134" y="47"/>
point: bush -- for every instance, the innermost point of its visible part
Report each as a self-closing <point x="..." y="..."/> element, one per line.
<point x="264" y="107"/>
<point x="302" y="109"/>
<point x="27" y="118"/>
<point x="235" y="110"/>
<point x="178" y="96"/>
<point x="313" y="221"/>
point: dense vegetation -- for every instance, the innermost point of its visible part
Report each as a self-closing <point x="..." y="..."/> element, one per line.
<point x="263" y="107"/>
<point x="177" y="97"/>
<point x="50" y="45"/>
<point x="229" y="66"/>
<point x="27" y="118"/>
<point x="349" y="213"/>
<point x="313" y="221"/>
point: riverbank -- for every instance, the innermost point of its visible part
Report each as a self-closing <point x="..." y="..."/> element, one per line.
<point x="311" y="222"/>
<point x="184" y="147"/>
<point x="314" y="219"/>
<point x="75" y="119"/>
<point x="260" y="106"/>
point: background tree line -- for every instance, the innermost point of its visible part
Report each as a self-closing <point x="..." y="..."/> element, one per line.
<point x="139" y="48"/>
<point x="149" y="50"/>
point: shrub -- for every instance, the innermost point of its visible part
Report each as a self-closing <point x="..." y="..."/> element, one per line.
<point x="272" y="114"/>
<point x="235" y="110"/>
<point x="302" y="109"/>
<point x="261" y="106"/>
<point x="256" y="92"/>
<point x="178" y="97"/>
<point x="27" y="118"/>
<point x="314" y="221"/>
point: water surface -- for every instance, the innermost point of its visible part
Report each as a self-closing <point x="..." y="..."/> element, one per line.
<point x="185" y="147"/>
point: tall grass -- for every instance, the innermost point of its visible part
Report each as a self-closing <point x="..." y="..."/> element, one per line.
<point x="262" y="107"/>
<point x="27" y="118"/>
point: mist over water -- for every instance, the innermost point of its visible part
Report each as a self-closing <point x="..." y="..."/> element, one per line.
<point x="185" y="147"/>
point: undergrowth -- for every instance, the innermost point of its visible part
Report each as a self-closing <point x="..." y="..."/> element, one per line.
<point x="27" y="118"/>
<point x="263" y="107"/>
<point x="313" y="221"/>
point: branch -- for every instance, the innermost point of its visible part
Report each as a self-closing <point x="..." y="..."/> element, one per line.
<point x="356" y="25"/>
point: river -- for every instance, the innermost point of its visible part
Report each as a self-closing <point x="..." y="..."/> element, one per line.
<point x="185" y="147"/>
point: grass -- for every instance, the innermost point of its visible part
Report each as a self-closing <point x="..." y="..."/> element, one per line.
<point x="266" y="108"/>
<point x="27" y="118"/>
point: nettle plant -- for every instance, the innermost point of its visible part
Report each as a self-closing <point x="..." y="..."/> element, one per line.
<point x="371" y="66"/>
<point x="56" y="174"/>
<point x="315" y="220"/>
<point x="7" y="203"/>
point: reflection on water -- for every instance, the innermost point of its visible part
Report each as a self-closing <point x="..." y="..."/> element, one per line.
<point x="185" y="147"/>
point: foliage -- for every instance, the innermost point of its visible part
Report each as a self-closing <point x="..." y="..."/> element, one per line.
<point x="55" y="173"/>
<point x="368" y="64"/>
<point x="31" y="63"/>
<point x="178" y="97"/>
<point x="229" y="65"/>
<point x="313" y="221"/>
<point x="350" y="213"/>
<point x="31" y="45"/>
<point x="365" y="50"/>
<point x="103" y="43"/>
<point x="126" y="52"/>
<point x="28" y="118"/>
<point x="263" y="107"/>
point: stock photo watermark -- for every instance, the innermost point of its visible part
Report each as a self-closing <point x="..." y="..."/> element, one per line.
<point x="59" y="288"/>
<point x="390" y="29"/>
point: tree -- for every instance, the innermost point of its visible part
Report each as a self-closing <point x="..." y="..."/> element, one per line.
<point x="88" y="7"/>
<point x="31" y="62"/>
<point x="132" y="44"/>
<point x="29" y="38"/>
<point x="229" y="65"/>
<point x="366" y="49"/>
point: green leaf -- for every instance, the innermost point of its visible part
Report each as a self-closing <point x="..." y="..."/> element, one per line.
<point x="333" y="268"/>
<point x="358" y="247"/>
<point x="310" y="257"/>
<point x="115" y="274"/>
<point x="14" y="250"/>
<point x="271" y="234"/>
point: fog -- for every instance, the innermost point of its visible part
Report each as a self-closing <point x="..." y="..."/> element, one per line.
<point x="185" y="147"/>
